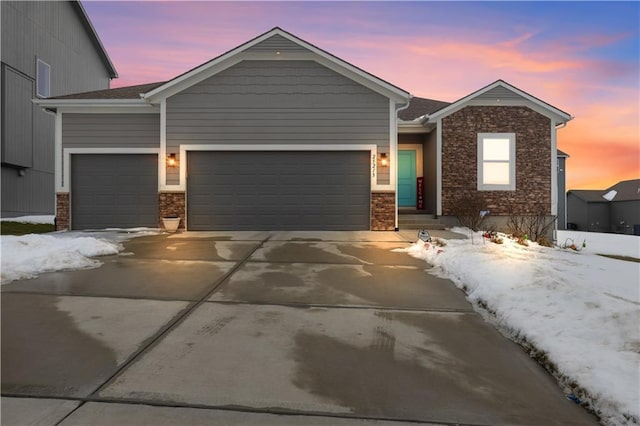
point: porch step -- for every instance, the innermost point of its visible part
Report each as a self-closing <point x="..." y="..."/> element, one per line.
<point x="418" y="221"/>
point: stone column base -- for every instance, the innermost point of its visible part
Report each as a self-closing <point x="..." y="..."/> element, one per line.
<point x="62" y="211"/>
<point x="383" y="211"/>
<point x="172" y="204"/>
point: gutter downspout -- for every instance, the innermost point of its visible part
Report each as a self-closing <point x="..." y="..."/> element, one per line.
<point x="554" y="237"/>
<point x="395" y="158"/>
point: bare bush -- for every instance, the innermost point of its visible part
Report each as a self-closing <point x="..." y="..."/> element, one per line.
<point x="467" y="210"/>
<point x="536" y="226"/>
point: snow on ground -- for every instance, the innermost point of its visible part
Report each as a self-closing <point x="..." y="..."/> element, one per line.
<point x="622" y="245"/>
<point x="581" y="309"/>
<point x="48" y="219"/>
<point x="26" y="256"/>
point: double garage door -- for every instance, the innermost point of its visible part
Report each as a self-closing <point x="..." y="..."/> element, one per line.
<point x="288" y="190"/>
<point x="278" y="190"/>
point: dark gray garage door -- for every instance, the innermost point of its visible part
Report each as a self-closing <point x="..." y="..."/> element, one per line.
<point x="278" y="190"/>
<point x="114" y="190"/>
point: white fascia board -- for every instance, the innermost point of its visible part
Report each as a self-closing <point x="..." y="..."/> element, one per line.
<point x="561" y="116"/>
<point x="237" y="55"/>
<point x="68" y="152"/>
<point x="414" y="126"/>
<point x="372" y="148"/>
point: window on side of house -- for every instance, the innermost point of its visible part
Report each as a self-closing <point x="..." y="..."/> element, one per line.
<point x="496" y="161"/>
<point x="43" y="79"/>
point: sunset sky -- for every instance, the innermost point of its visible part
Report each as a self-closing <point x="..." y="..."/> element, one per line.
<point x="582" y="57"/>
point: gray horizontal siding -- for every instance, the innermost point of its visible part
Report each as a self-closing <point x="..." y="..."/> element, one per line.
<point x="277" y="43"/>
<point x="17" y="119"/>
<point x="111" y="130"/>
<point x="499" y="93"/>
<point x="278" y="102"/>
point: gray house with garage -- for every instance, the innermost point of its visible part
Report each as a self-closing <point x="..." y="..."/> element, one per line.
<point x="48" y="49"/>
<point x="280" y="134"/>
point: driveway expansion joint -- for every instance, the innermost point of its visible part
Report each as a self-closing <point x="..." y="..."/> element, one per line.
<point x="167" y="328"/>
<point x="357" y="307"/>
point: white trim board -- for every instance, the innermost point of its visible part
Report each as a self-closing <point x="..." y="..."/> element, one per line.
<point x="68" y="152"/>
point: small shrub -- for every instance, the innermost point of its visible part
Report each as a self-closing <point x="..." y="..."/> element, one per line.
<point x="467" y="210"/>
<point x="545" y="241"/>
<point x="533" y="226"/>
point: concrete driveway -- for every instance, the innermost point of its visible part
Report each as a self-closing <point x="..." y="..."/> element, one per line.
<point x="294" y="328"/>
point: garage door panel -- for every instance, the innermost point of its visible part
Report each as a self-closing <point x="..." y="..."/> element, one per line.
<point x="114" y="190"/>
<point x="278" y="190"/>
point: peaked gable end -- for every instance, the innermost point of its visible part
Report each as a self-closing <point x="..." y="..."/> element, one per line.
<point x="276" y="44"/>
<point x="501" y="93"/>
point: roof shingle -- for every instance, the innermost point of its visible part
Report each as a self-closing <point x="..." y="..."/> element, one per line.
<point x="128" y="92"/>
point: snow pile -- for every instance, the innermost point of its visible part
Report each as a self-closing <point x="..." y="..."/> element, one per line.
<point x="618" y="244"/>
<point x="47" y="219"/>
<point x="28" y="255"/>
<point x="581" y="309"/>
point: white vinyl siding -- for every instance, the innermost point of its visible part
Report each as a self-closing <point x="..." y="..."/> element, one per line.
<point x="496" y="162"/>
<point x="43" y="79"/>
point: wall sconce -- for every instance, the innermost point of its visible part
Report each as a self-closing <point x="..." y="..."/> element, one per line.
<point x="383" y="159"/>
<point x="171" y="160"/>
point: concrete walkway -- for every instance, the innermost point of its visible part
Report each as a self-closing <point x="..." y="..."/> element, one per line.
<point x="293" y="328"/>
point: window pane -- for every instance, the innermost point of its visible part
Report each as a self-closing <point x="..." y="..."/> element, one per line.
<point x="495" y="174"/>
<point x="42" y="79"/>
<point x="495" y="149"/>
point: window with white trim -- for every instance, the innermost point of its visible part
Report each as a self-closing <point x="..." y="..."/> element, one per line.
<point x="43" y="79"/>
<point x="496" y="161"/>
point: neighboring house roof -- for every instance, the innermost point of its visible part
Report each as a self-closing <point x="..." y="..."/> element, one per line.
<point x="102" y="52"/>
<point x="589" y="195"/>
<point x="128" y="92"/>
<point x="501" y="89"/>
<point x="563" y="154"/>
<point x="419" y="107"/>
<point x="626" y="190"/>
<point x="227" y="59"/>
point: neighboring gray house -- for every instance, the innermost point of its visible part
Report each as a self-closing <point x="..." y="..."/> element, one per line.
<point x="616" y="209"/>
<point x="48" y="49"/>
<point x="280" y="134"/>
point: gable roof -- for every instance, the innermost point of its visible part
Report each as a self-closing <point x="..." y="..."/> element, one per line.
<point x="419" y="107"/>
<point x="501" y="88"/>
<point x="589" y="195"/>
<point x="626" y="190"/>
<point x="93" y="35"/>
<point x="232" y="57"/>
<point x="563" y="154"/>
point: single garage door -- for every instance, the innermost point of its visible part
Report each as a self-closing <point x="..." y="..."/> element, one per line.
<point x="278" y="190"/>
<point x="114" y="190"/>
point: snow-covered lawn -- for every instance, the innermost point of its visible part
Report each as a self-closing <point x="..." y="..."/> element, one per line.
<point x="579" y="309"/>
<point x="48" y="219"/>
<point x="618" y="244"/>
<point x="27" y="256"/>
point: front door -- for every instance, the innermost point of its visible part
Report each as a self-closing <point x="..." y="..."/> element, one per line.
<point x="407" y="178"/>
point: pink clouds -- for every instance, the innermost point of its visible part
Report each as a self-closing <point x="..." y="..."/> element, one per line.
<point x="428" y="57"/>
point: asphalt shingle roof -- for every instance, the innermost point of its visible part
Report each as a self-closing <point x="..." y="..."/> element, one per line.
<point x="419" y="107"/>
<point x="128" y="92"/>
<point x="626" y="190"/>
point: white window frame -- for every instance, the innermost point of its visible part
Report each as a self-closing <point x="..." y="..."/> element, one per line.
<point x="511" y="186"/>
<point x="41" y="66"/>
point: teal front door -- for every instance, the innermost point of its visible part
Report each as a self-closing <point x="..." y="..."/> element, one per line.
<point x="407" y="178"/>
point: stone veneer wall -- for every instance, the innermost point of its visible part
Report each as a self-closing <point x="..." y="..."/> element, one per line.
<point x="533" y="158"/>
<point x="383" y="211"/>
<point x="172" y="204"/>
<point x="62" y="211"/>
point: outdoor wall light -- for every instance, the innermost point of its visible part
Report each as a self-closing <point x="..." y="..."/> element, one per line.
<point x="383" y="159"/>
<point x="171" y="160"/>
